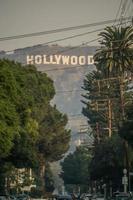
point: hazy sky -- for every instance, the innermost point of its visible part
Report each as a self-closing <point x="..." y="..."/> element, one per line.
<point x="27" y="16"/>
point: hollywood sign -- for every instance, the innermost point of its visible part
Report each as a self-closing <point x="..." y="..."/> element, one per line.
<point x="59" y="60"/>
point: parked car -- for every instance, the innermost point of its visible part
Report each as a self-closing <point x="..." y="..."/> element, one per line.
<point x="64" y="197"/>
<point x="23" y="197"/>
<point x="87" y="196"/>
<point x="12" y="197"/>
<point x="100" y="197"/>
<point x="123" y="196"/>
<point x="4" y="197"/>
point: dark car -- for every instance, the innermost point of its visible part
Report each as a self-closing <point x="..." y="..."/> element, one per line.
<point x="4" y="197"/>
<point x="64" y="197"/>
<point x="123" y="196"/>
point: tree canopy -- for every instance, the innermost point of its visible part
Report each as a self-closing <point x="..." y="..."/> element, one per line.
<point x="30" y="127"/>
<point x="126" y="129"/>
<point x="107" y="99"/>
<point x="75" y="167"/>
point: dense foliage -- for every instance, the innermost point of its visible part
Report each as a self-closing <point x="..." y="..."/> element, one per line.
<point x="108" y="106"/>
<point x="126" y="129"/>
<point x="30" y="128"/>
<point x="75" y="168"/>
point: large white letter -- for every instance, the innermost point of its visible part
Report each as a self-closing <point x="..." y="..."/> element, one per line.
<point x="45" y="59"/>
<point x="57" y="58"/>
<point x="90" y="60"/>
<point x="38" y="59"/>
<point x="52" y="60"/>
<point x="65" y="60"/>
<point x="82" y="60"/>
<point x="74" y="60"/>
<point x="30" y="60"/>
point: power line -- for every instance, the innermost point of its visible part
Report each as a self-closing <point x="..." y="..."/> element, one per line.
<point x="131" y="13"/>
<point x="69" y="91"/>
<point x="72" y="48"/>
<point x="128" y="6"/>
<point x="60" y="30"/>
<point x="65" y="38"/>
<point x="70" y="37"/>
<point x="69" y="49"/>
<point x="123" y="11"/>
<point x="118" y="11"/>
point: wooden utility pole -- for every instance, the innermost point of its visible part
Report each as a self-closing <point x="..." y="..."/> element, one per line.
<point x="97" y="132"/>
<point x="104" y="89"/>
<point x="122" y="96"/>
<point x="109" y="118"/>
<point x="125" y="143"/>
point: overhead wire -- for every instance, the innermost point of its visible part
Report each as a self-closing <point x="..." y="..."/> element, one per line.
<point x="78" y="66"/>
<point x="60" y="30"/>
<point x="70" y="37"/>
<point x="69" y="49"/>
<point x="129" y="10"/>
<point x="123" y="8"/>
<point x="118" y="11"/>
<point x="128" y="6"/>
<point x="64" y="38"/>
<point x="131" y="13"/>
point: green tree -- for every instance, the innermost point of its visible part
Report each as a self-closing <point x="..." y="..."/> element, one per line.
<point x="9" y="118"/>
<point x="106" y="101"/>
<point x="49" y="182"/>
<point x="126" y="129"/>
<point x="103" y="105"/>
<point x="107" y="161"/>
<point x="32" y="131"/>
<point x="75" y="168"/>
<point x="53" y="140"/>
<point x="106" y="97"/>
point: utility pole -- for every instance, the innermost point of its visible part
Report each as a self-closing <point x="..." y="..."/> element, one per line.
<point x="132" y="14"/>
<point x="97" y="124"/>
<point x="122" y="96"/>
<point x="107" y="87"/>
<point x="109" y="118"/>
<point x="97" y="132"/>
<point x="125" y="143"/>
<point x="106" y="92"/>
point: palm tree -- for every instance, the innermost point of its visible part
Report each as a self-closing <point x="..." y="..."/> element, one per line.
<point x="115" y="54"/>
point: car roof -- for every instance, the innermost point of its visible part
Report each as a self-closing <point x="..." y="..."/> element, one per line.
<point x="122" y="194"/>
